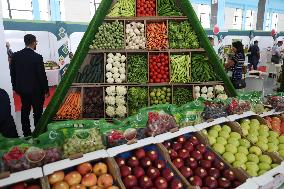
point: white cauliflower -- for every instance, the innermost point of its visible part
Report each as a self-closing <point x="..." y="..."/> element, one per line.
<point x="122" y="77"/>
<point x="110" y="90"/>
<point x="110" y="100"/>
<point x="118" y="80"/>
<point x="119" y="100"/>
<point x="121" y="70"/>
<point x="109" y="75"/>
<point x="121" y="111"/>
<point x="197" y="95"/>
<point x="110" y="111"/>
<point x="210" y="89"/>
<point x="204" y="90"/>
<point x="115" y="75"/>
<point x="210" y="95"/>
<point x="204" y="96"/>
<point x="222" y="96"/>
<point x="108" y="67"/>
<point x="219" y="89"/>
<point x="110" y="80"/>
<point x="197" y="89"/>
<point x="121" y="90"/>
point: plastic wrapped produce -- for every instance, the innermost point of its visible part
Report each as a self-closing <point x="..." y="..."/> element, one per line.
<point x="214" y="110"/>
<point x="276" y="101"/>
<point x="238" y="106"/>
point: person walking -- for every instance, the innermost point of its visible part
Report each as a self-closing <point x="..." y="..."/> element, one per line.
<point x="29" y="81"/>
<point x="254" y="55"/>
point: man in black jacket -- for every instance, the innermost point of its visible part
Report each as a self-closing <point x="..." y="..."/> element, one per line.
<point x="29" y="81"/>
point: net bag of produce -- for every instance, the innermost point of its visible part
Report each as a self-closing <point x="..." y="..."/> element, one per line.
<point x="255" y="99"/>
<point x="215" y="109"/>
<point x="238" y="106"/>
<point x="276" y="101"/>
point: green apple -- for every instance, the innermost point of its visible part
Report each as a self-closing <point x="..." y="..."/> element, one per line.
<point x="262" y="139"/>
<point x="264" y="166"/>
<point x="217" y="128"/>
<point x="241" y="157"/>
<point x="244" y="142"/>
<point x="253" y="158"/>
<point x="252" y="138"/>
<point x="238" y="164"/>
<point x="231" y="148"/>
<point x="219" y="148"/>
<point x="273" y="140"/>
<point x="221" y="140"/>
<point x="213" y="133"/>
<point x="234" y="141"/>
<point x="252" y="173"/>
<point x="273" y="134"/>
<point x="212" y="140"/>
<point x="245" y="121"/>
<point x="253" y="131"/>
<point x="235" y="135"/>
<point x="243" y="150"/>
<point x="252" y="166"/>
<point x="226" y="128"/>
<point x="224" y="134"/>
<point x="254" y="122"/>
<point x="229" y="157"/>
<point x="263" y="128"/>
<point x="245" y="126"/>
<point x="261" y="172"/>
<point x="263" y="133"/>
<point x="272" y="147"/>
<point x="262" y="145"/>
<point x="265" y="159"/>
<point x="281" y="153"/>
<point x="204" y="131"/>
<point x="281" y="139"/>
<point x="255" y="150"/>
<point x="273" y="165"/>
<point x="245" y="132"/>
<point x="281" y="147"/>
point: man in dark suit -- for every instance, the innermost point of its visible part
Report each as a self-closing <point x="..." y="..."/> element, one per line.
<point x="29" y="81"/>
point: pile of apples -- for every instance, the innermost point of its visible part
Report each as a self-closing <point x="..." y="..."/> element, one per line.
<point x="238" y="151"/>
<point x="260" y="135"/>
<point x="198" y="165"/>
<point x="275" y="124"/>
<point x="85" y="176"/>
<point x="147" y="170"/>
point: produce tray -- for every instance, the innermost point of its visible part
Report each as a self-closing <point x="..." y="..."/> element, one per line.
<point x="243" y="115"/>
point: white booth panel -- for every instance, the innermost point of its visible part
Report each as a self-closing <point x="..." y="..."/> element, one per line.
<point x="75" y="39"/>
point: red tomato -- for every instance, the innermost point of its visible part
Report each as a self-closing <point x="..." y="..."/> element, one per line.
<point x="151" y="80"/>
<point x="154" y="77"/>
<point x="159" y="64"/>
<point x="165" y="76"/>
<point x="166" y="68"/>
<point x="159" y="76"/>
<point x="162" y="80"/>
<point x="167" y="80"/>
<point x="157" y="80"/>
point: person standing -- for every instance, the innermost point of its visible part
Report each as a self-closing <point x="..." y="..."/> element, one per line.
<point x="254" y="55"/>
<point x="276" y="52"/>
<point x="29" y="81"/>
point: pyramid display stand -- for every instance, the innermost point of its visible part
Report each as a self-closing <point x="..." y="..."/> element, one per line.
<point x="84" y="55"/>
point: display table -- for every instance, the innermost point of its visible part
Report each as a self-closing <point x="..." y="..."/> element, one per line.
<point x="52" y="77"/>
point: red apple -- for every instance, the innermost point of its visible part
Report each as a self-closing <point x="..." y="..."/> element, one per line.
<point x="120" y="161"/>
<point x="167" y="144"/>
<point x="199" y="171"/>
<point x="138" y="172"/>
<point x="201" y="148"/>
<point x="145" y="182"/>
<point x="236" y="183"/>
<point x="153" y="172"/>
<point x="205" y="187"/>
<point x="178" y="162"/>
<point x="176" y="146"/>
<point x="186" y="171"/>
<point x="183" y="153"/>
<point x="209" y="156"/>
<point x="193" y="140"/>
<point x="133" y="162"/>
<point x="140" y="153"/>
<point x="145" y="162"/>
<point x="206" y="164"/>
<point x="136" y="187"/>
<point x="167" y="174"/>
<point x="213" y="172"/>
<point x="175" y="184"/>
<point x="161" y="183"/>
<point x="173" y="154"/>
<point x="188" y="146"/>
<point x="84" y="168"/>
<point x="224" y="183"/>
<point x="35" y="186"/>
<point x="211" y="182"/>
<point x="130" y="181"/>
<point x="191" y="162"/>
<point x="195" y="181"/>
<point x="228" y="174"/>
<point x="152" y="155"/>
<point x="90" y="179"/>
<point x="20" y="185"/>
<point x="219" y="165"/>
<point x="160" y="164"/>
<point x="181" y="139"/>
<point x="125" y="171"/>
<point x="196" y="155"/>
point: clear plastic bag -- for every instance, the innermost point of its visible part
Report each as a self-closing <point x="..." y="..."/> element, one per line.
<point x="215" y="109"/>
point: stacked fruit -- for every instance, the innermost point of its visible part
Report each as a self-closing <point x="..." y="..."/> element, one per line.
<point x="275" y="123"/>
<point x="238" y="151"/>
<point x="146" y="169"/>
<point x="260" y="135"/>
<point x="199" y="165"/>
<point x="85" y="176"/>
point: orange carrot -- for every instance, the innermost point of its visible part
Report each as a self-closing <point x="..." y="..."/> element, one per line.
<point x="157" y="38"/>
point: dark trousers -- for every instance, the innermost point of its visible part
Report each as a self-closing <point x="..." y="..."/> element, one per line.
<point x="35" y="101"/>
<point x="253" y="63"/>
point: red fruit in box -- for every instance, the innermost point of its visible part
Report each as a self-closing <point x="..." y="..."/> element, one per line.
<point x="201" y="148"/>
<point x="206" y="164"/>
<point x="191" y="162"/>
<point x="173" y="154"/>
<point x="176" y="184"/>
<point x="153" y="172"/>
<point x="130" y="181"/>
<point x="219" y="165"/>
<point x="152" y="155"/>
<point x="211" y="182"/>
<point x="181" y="139"/>
<point x="140" y="153"/>
<point x="167" y="144"/>
<point x="145" y="162"/>
<point x="178" y="162"/>
<point x="209" y="156"/>
<point x="224" y="183"/>
<point x="167" y="174"/>
<point x="89" y="180"/>
<point x="161" y="183"/>
<point x="236" y="183"/>
<point x="135" y="187"/>
<point x="160" y="164"/>
<point x="145" y="182"/>
<point x="138" y="172"/>
<point x="120" y="161"/>
<point x="125" y="171"/>
<point x="228" y="174"/>
<point x="188" y="146"/>
<point x="199" y="171"/>
<point x="193" y="140"/>
<point x="195" y="181"/>
<point x="186" y="171"/>
<point x="196" y="155"/>
<point x="34" y="186"/>
<point x="214" y="172"/>
<point x="176" y="146"/>
<point x="133" y="162"/>
<point x="20" y="185"/>
<point x="204" y="187"/>
<point x="84" y="168"/>
<point x="183" y="153"/>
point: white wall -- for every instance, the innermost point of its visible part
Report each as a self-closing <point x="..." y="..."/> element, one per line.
<point x="229" y="18"/>
<point x="280" y="22"/>
<point x="77" y="11"/>
<point x="254" y="20"/>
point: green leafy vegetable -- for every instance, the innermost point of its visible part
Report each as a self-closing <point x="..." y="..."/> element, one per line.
<point x="182" y="96"/>
<point x="137" y="69"/>
<point x="137" y="99"/>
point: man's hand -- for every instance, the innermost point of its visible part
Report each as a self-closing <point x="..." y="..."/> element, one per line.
<point x="47" y="94"/>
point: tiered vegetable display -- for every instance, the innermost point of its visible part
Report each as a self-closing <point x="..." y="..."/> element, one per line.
<point x="115" y="68"/>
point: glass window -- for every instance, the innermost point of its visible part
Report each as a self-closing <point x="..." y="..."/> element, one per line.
<point x="204" y="12"/>
<point x="94" y="4"/>
<point x="249" y="20"/>
<point x="237" y="23"/>
<point x="44" y="9"/>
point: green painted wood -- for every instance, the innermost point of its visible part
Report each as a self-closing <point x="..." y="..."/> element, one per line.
<point x="214" y="60"/>
<point x="73" y="68"/>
